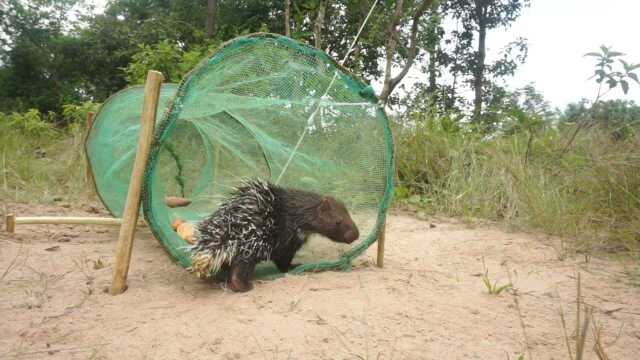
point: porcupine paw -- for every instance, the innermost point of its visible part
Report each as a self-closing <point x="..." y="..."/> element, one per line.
<point x="239" y="276"/>
<point x="240" y="285"/>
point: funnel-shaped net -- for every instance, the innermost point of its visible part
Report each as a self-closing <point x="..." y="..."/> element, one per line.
<point x="112" y="142"/>
<point x="267" y="106"/>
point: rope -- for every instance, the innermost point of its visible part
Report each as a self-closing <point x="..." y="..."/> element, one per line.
<point x="335" y="75"/>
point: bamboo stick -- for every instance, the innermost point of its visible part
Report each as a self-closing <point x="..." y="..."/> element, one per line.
<point x="381" y="240"/>
<point x="132" y="207"/>
<point x="11" y="223"/>
<point x="71" y="220"/>
<point x="87" y="172"/>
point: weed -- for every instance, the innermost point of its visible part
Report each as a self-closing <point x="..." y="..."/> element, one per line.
<point x="39" y="161"/>
<point x="493" y="289"/>
<point x="587" y="196"/>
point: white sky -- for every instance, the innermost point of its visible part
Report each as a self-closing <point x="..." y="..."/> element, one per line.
<point x="559" y="32"/>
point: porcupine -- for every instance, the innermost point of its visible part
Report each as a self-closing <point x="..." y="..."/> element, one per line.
<point x="261" y="221"/>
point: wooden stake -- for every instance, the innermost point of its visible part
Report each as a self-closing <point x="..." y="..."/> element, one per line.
<point x="10" y="223"/>
<point x="132" y="207"/>
<point x="381" y="239"/>
<point x="87" y="173"/>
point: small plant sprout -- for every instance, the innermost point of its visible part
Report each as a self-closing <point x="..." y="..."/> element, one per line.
<point x="493" y="289"/>
<point x="604" y="72"/>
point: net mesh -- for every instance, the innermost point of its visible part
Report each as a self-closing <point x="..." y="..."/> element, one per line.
<point x="263" y="106"/>
<point x="112" y="141"/>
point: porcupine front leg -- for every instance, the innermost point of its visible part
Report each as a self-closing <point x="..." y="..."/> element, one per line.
<point x="240" y="275"/>
<point x="285" y="256"/>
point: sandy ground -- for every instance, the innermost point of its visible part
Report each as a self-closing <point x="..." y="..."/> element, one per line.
<point x="429" y="301"/>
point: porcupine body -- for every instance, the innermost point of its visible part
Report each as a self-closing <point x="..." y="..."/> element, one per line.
<point x="243" y="226"/>
<point x="260" y="222"/>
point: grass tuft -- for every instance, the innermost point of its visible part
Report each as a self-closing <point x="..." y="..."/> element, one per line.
<point x="40" y="162"/>
<point x="587" y="194"/>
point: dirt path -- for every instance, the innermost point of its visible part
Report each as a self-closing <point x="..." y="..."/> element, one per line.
<point x="429" y="302"/>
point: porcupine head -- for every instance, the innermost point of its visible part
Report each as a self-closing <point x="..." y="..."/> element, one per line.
<point x="333" y="221"/>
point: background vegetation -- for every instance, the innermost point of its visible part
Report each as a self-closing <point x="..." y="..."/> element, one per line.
<point x="501" y="154"/>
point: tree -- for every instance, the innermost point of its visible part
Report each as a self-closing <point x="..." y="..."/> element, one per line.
<point x="477" y="17"/>
<point x="394" y="31"/>
<point x="610" y="113"/>
<point x="319" y="23"/>
<point x="41" y="59"/>
<point x="212" y="12"/>
<point x="605" y="73"/>
<point x="287" y="17"/>
<point x="111" y="39"/>
<point x="343" y="19"/>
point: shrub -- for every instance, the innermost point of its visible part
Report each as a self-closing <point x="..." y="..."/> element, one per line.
<point x="588" y="193"/>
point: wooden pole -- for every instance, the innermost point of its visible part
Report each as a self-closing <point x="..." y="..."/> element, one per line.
<point x="11" y="223"/>
<point x="87" y="171"/>
<point x="381" y="239"/>
<point x="71" y="220"/>
<point x="132" y="207"/>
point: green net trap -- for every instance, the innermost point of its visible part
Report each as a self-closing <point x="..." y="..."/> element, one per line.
<point x="265" y="106"/>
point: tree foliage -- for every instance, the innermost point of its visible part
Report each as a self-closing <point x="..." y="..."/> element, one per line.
<point x="59" y="52"/>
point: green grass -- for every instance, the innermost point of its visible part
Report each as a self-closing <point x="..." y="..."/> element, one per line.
<point x="589" y="194"/>
<point x="39" y="162"/>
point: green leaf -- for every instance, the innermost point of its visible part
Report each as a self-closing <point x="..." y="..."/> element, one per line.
<point x="624" y="64"/>
<point x="625" y="86"/>
<point x="601" y="74"/>
<point x="633" y="67"/>
<point x="595" y="54"/>
<point x="612" y="83"/>
<point x="634" y="76"/>
<point x="615" y="53"/>
<point x="502" y="288"/>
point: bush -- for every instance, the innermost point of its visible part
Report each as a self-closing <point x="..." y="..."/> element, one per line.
<point x="39" y="160"/>
<point x="172" y="61"/>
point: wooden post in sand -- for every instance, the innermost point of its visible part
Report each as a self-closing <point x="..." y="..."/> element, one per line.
<point x="381" y="239"/>
<point x="132" y="206"/>
<point x="10" y="223"/>
<point x="87" y="172"/>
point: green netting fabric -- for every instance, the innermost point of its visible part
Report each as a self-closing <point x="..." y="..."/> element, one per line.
<point x="112" y="141"/>
<point x="267" y="106"/>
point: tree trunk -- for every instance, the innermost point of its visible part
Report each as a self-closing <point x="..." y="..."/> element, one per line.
<point x="287" y="18"/>
<point x="451" y="101"/>
<point x="433" y="73"/>
<point x="319" y="24"/>
<point x="392" y="43"/>
<point x="389" y="82"/>
<point x="481" y="14"/>
<point x="212" y="10"/>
